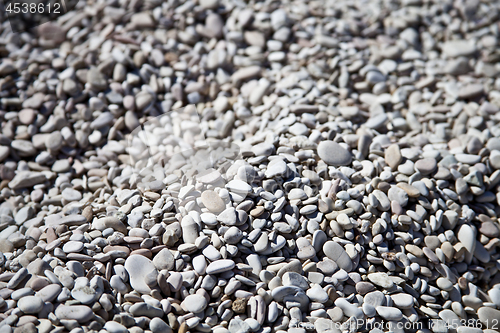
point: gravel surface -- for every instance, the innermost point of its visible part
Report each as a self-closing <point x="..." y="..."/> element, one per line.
<point x="231" y="167"/>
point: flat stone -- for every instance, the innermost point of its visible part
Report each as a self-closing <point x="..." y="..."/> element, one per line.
<point x="164" y="260"/>
<point x="381" y="280"/>
<point x="471" y="91"/>
<point x="336" y="252"/>
<point x="139" y="268"/>
<point x="333" y="154"/>
<point x="389" y="313"/>
<point x="27" y="179"/>
<point x="457" y="48"/>
<point x="467" y="237"/>
<point x="73" y="247"/>
<point x="220" y="266"/>
<point x="489" y="317"/>
<point x="157" y="325"/>
<point x="80" y="313"/>
<point x="49" y="293"/>
<point x="85" y="294"/>
<point x="212" y="201"/>
<point x="195" y="303"/>
<point x="30" y="304"/>
<point x="228" y="217"/>
<point x="395" y="193"/>
<point x="426" y="166"/>
<point x="393" y="156"/>
<point x="114" y="327"/>
<point x="402" y="301"/>
<point x="276" y="167"/>
<point x="144" y="309"/>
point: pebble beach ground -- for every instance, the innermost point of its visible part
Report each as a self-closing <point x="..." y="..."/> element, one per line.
<point x="231" y="167"/>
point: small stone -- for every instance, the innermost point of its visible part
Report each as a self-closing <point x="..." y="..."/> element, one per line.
<point x="80" y="313"/>
<point x="220" y="266"/>
<point x="138" y="268"/>
<point x="337" y="253"/>
<point x="393" y="156"/>
<point x="389" y="313"/>
<point x="381" y="280"/>
<point x="212" y="201"/>
<point x="195" y="303"/>
<point x="334" y="154"/>
<point x="426" y="166"/>
<point x="30" y="304"/>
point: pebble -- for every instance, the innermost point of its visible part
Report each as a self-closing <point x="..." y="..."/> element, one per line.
<point x="334" y="154"/>
<point x="195" y="303"/>
<point x="381" y="280"/>
<point x="80" y="313"/>
<point x="337" y="253"/>
<point x="220" y="266"/>
<point x="212" y="201"/>
<point x="30" y="304"/>
<point x="209" y="167"/>
<point x="140" y="268"/>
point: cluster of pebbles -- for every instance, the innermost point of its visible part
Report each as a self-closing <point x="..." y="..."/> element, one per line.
<point x="273" y="166"/>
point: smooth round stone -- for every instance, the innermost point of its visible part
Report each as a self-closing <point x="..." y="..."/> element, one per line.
<point x="489" y="317"/>
<point x="381" y="280"/>
<point x="444" y="283"/>
<point x="80" y="313"/>
<point x="190" y="230"/>
<point x="348" y="308"/>
<point x="212" y="201"/>
<point x="84" y="294"/>
<point x="468" y="158"/>
<point x="200" y="264"/>
<point x="164" y="260"/>
<point x="397" y="194"/>
<point x="195" y="303"/>
<point x="237" y="325"/>
<point x="239" y="186"/>
<point x="374" y="298"/>
<point x="71" y="194"/>
<point x="376" y="121"/>
<point x="389" y="313"/>
<point x="336" y="252"/>
<point x="114" y="327"/>
<point x="30" y="304"/>
<point x="228" y="216"/>
<point x="369" y="310"/>
<point x="54" y="140"/>
<point x="220" y="266"/>
<point x="317" y="294"/>
<point x="233" y="235"/>
<point x="157" y="325"/>
<point x="73" y="247"/>
<point x="489" y="229"/>
<point x="276" y="168"/>
<point x="144" y="309"/>
<point x="208" y="218"/>
<point x="333" y="153"/>
<point x="467" y="237"/>
<point x="49" y="293"/>
<point x="139" y="269"/>
<point x="393" y="156"/>
<point x="281" y="292"/>
<point x="294" y="279"/>
<point x="364" y="287"/>
<point x="402" y="301"/>
<point x="426" y="166"/>
<point x="495" y="296"/>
